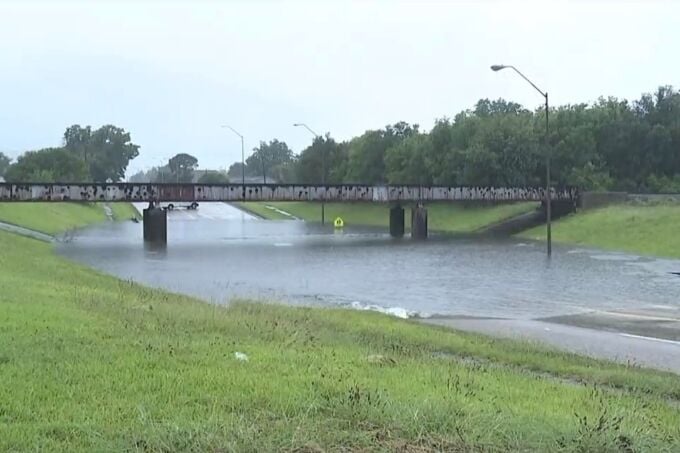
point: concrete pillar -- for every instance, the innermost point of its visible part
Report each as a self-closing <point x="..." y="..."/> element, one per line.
<point x="558" y="208"/>
<point x="155" y="225"/>
<point x="396" y="221"/>
<point x="418" y="222"/>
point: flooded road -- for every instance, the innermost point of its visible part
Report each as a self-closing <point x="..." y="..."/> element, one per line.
<point x="219" y="253"/>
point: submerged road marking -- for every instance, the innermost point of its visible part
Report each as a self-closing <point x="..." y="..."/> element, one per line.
<point x="641" y="337"/>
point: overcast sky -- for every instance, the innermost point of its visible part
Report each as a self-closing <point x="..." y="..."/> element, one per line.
<point x="172" y="72"/>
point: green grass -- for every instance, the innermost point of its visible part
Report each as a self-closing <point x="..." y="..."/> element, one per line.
<point x="459" y="218"/>
<point x="124" y="211"/>
<point x="262" y="210"/>
<point x="92" y="363"/>
<point x="53" y="218"/>
<point x="449" y="217"/>
<point x="643" y="229"/>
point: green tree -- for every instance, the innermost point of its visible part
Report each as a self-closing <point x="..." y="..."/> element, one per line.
<point x="405" y="163"/>
<point x="271" y="159"/>
<point x="106" y="151"/>
<point x="161" y="174"/>
<point x="182" y="167"/>
<point x="486" y="108"/>
<point x="4" y="163"/>
<point x="140" y="177"/>
<point x="235" y="171"/>
<point x="77" y="140"/>
<point x="611" y="144"/>
<point x="47" y="165"/>
<point x="310" y="162"/>
<point x="439" y="158"/>
<point x="617" y="137"/>
<point x="573" y="146"/>
<point x="494" y="144"/>
<point x="213" y="177"/>
<point x="366" y="163"/>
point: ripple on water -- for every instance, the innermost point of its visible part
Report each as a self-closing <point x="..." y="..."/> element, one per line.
<point x="303" y="263"/>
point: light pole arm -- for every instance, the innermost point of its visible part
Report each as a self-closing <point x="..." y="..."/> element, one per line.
<point x="243" y="158"/>
<point x="308" y="128"/>
<point x="545" y="95"/>
<point x="233" y="130"/>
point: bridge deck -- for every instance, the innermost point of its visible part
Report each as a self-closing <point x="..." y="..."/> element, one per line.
<point x="271" y="192"/>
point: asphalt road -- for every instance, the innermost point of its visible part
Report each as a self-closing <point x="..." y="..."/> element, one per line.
<point x="205" y="211"/>
<point x="613" y="339"/>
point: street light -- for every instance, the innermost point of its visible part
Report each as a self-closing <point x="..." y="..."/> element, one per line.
<point x="161" y="161"/>
<point x="161" y="173"/>
<point x="498" y="67"/>
<point x="243" y="158"/>
<point x="323" y="169"/>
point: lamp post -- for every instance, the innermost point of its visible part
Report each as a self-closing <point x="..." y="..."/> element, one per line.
<point x="497" y="68"/>
<point x="323" y="169"/>
<point x="243" y="158"/>
<point x="161" y="177"/>
<point x="161" y="161"/>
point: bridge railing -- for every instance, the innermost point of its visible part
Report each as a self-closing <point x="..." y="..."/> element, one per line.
<point x="127" y="192"/>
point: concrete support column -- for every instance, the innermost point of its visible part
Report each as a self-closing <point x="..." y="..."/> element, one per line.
<point x="396" y="221"/>
<point x="558" y="208"/>
<point x="155" y="225"/>
<point x="418" y="222"/>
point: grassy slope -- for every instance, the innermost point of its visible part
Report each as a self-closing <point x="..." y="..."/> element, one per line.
<point x="52" y="218"/>
<point x="644" y="229"/>
<point x="441" y="216"/>
<point x="262" y="210"/>
<point x="124" y="211"/>
<point x="92" y="363"/>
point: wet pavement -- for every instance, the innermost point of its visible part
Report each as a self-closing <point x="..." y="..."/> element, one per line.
<point x="11" y="228"/>
<point x="619" y="346"/>
<point x="219" y="253"/>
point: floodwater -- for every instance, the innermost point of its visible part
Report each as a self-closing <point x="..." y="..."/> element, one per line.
<point x="219" y="253"/>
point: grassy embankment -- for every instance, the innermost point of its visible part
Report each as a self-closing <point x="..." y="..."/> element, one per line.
<point x="92" y="363"/>
<point x="447" y="217"/>
<point x="53" y="218"/>
<point x="645" y="229"/>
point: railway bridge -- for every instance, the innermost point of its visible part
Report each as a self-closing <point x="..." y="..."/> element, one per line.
<point x="396" y="197"/>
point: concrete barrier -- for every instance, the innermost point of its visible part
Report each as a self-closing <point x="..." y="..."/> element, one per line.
<point x="592" y="200"/>
<point x="654" y="197"/>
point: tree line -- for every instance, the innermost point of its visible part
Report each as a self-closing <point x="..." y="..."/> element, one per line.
<point x="611" y="144"/>
<point x="98" y="155"/>
<point x="181" y="168"/>
<point x="269" y="162"/>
